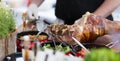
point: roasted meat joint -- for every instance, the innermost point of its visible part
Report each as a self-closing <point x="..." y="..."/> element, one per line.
<point x="86" y="29"/>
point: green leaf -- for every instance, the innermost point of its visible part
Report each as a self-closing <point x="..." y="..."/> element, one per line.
<point x="102" y="55"/>
<point x="7" y="22"/>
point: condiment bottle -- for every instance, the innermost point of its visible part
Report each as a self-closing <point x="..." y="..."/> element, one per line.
<point x="25" y="51"/>
<point x="24" y="21"/>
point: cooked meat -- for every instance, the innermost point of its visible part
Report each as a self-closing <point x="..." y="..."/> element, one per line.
<point x="85" y="29"/>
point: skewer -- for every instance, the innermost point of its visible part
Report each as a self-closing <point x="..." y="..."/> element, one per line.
<point x="111" y="44"/>
<point x="80" y="44"/>
<point x="52" y="36"/>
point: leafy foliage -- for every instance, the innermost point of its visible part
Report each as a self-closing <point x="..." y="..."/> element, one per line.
<point x="7" y="23"/>
<point x="103" y="55"/>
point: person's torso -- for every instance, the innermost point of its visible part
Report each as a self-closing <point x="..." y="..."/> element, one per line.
<point x="71" y="10"/>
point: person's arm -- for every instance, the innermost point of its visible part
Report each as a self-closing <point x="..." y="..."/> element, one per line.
<point x="37" y="2"/>
<point x="32" y="12"/>
<point x="107" y="7"/>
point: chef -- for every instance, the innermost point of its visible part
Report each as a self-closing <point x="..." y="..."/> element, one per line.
<point x="71" y="10"/>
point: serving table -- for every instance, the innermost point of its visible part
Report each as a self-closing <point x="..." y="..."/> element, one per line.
<point x="8" y="45"/>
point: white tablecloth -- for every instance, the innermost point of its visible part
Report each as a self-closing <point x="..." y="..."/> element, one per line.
<point x="19" y="59"/>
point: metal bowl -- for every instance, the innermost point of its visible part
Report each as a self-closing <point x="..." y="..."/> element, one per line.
<point x="19" y="41"/>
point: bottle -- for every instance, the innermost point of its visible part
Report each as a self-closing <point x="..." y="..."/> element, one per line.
<point x="24" y="21"/>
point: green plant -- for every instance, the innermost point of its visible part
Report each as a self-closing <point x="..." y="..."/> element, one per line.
<point x="102" y="55"/>
<point x="7" y="23"/>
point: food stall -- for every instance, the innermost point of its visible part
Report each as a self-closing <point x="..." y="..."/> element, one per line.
<point x="90" y="38"/>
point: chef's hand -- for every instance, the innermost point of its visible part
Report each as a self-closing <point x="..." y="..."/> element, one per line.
<point x="32" y="12"/>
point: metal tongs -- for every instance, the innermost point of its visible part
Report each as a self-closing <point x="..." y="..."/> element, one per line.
<point x="80" y="44"/>
<point x="62" y="42"/>
<point x="40" y="25"/>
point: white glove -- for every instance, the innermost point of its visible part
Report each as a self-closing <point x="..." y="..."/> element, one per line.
<point x="32" y="12"/>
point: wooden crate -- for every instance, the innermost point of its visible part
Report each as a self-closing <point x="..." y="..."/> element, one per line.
<point x="8" y="45"/>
